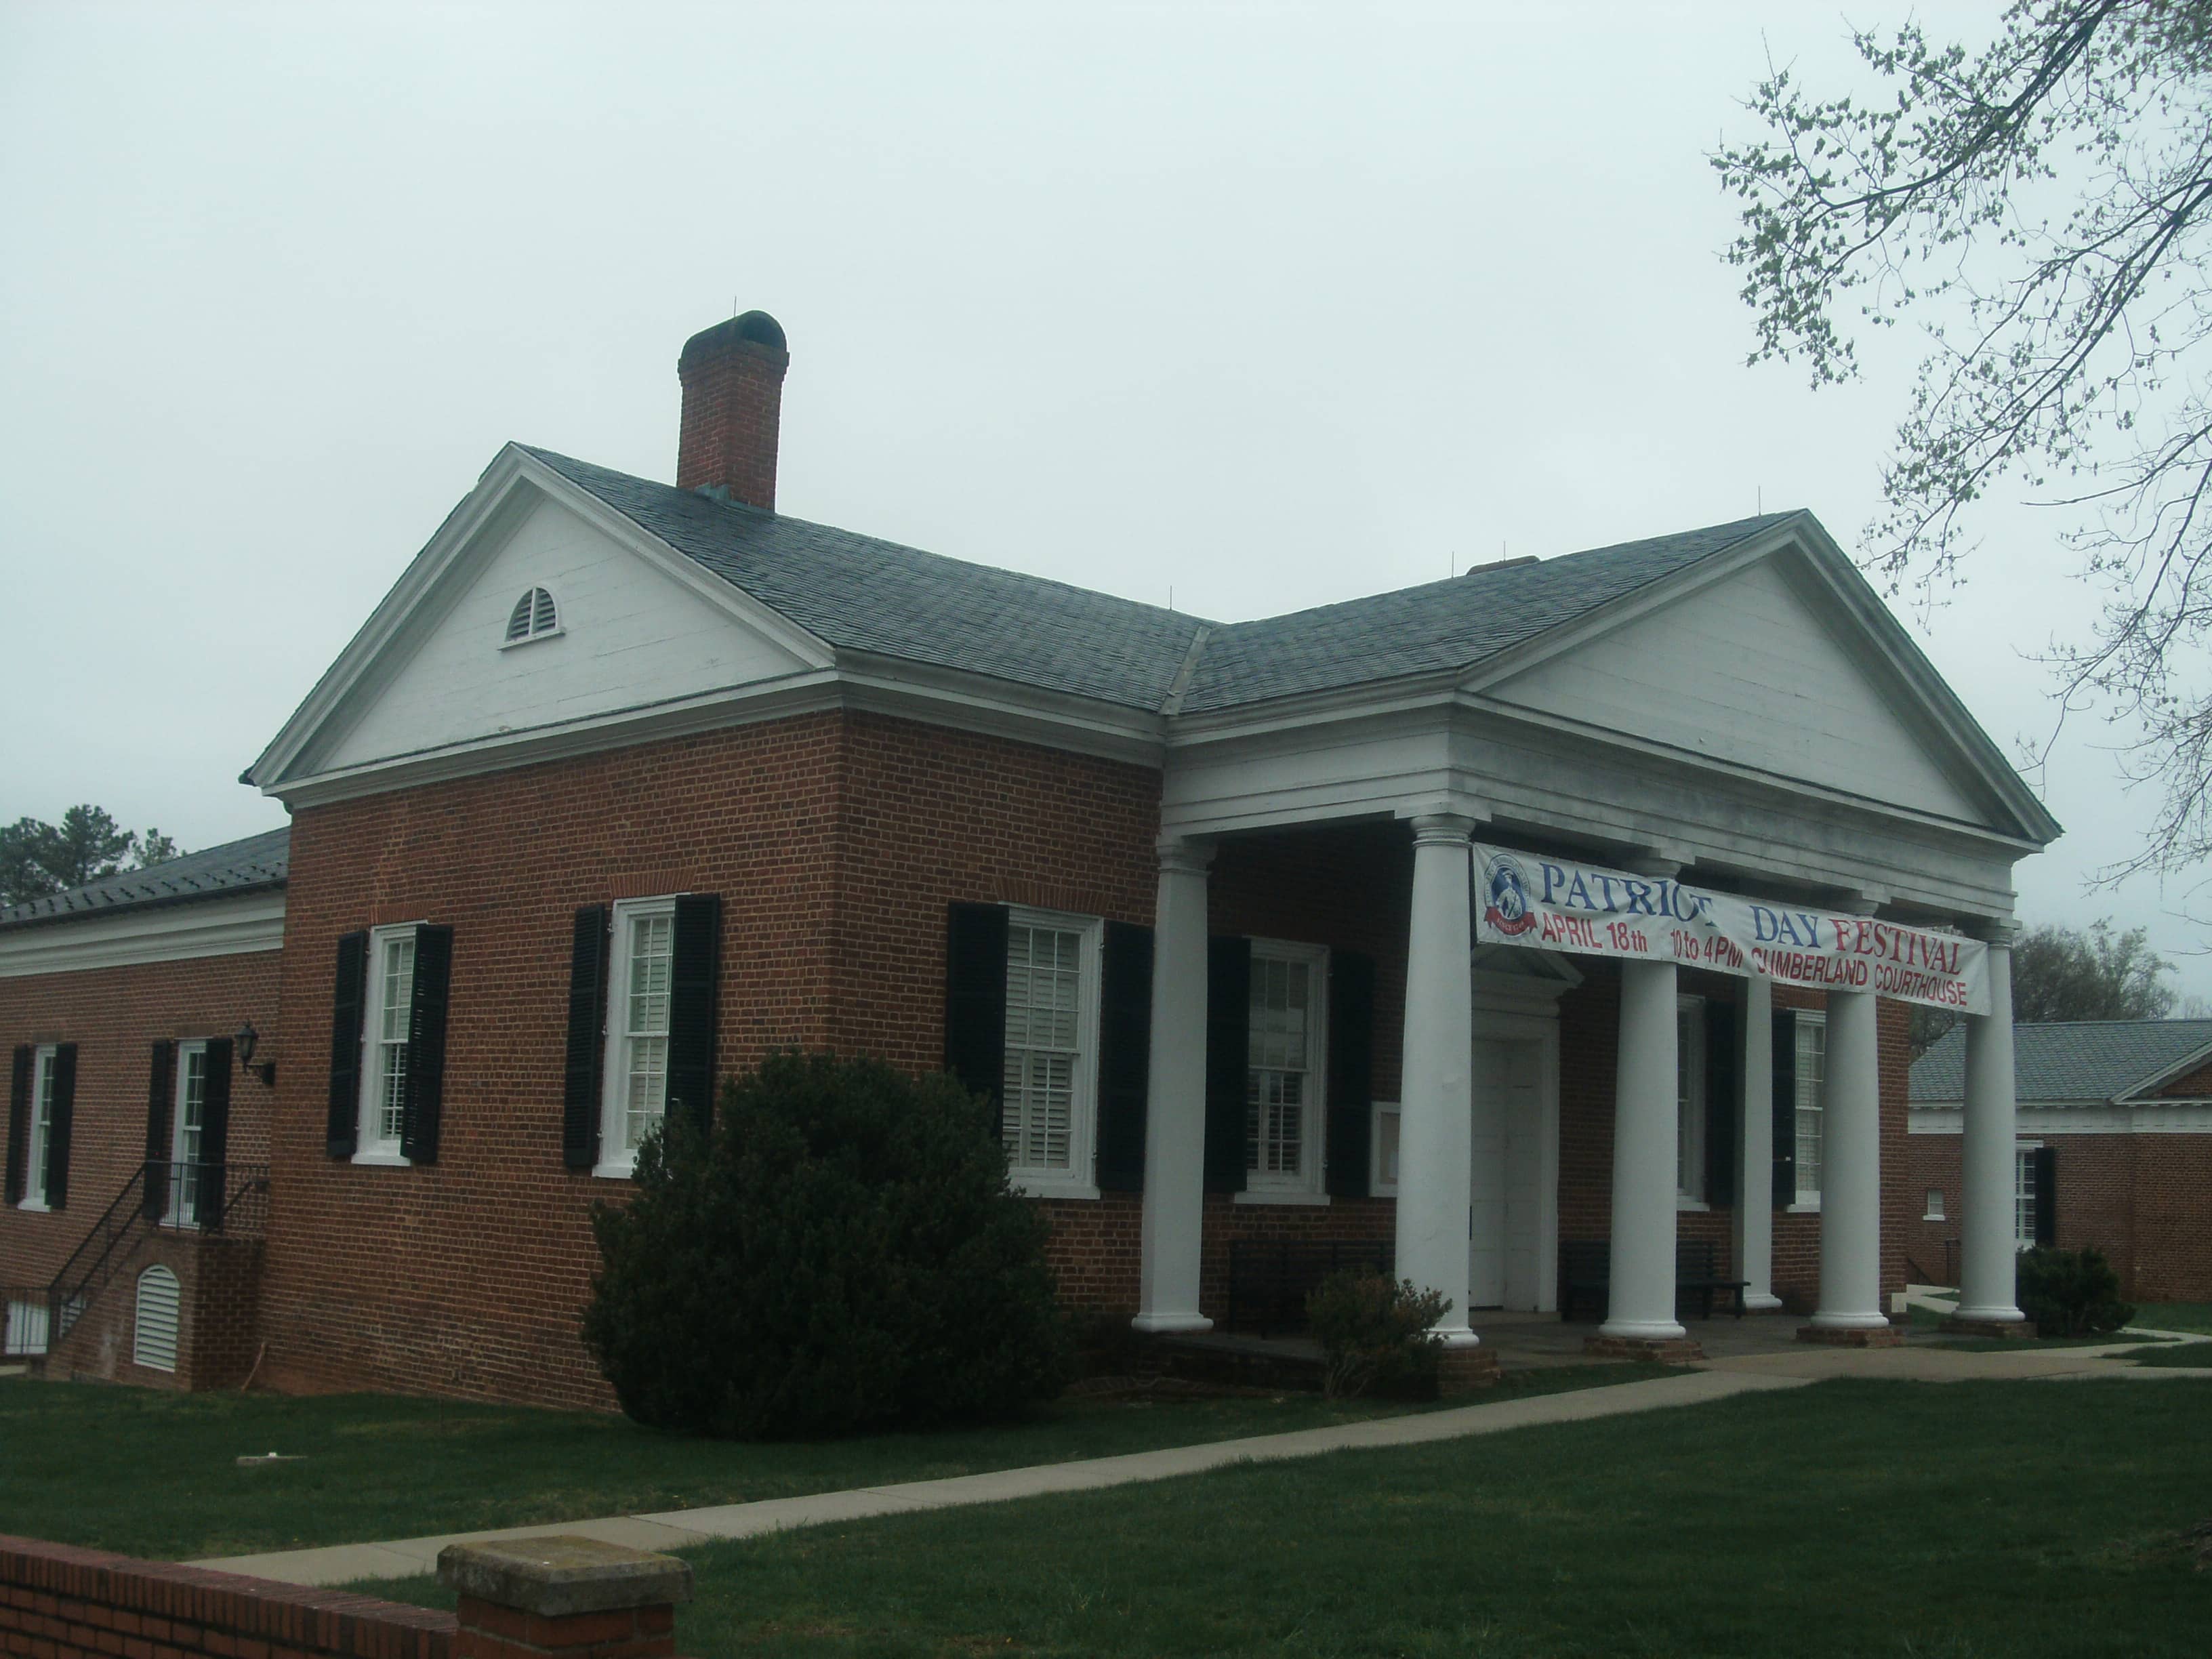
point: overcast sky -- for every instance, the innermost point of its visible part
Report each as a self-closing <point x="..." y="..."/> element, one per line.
<point x="1266" y="304"/>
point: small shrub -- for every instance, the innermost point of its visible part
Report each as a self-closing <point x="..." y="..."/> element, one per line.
<point x="2071" y="1292"/>
<point x="843" y="1253"/>
<point x="1375" y="1334"/>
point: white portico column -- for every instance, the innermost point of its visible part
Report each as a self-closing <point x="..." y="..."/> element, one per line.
<point x="1987" y="1286"/>
<point x="1436" y="1119"/>
<point x="1640" y="1305"/>
<point x="1850" y="1170"/>
<point x="1174" y="1115"/>
<point x="1754" y="1175"/>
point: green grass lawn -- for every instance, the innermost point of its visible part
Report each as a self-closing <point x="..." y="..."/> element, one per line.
<point x="155" y="1474"/>
<point x="2175" y="1315"/>
<point x="2196" y="1355"/>
<point x="1965" y="1521"/>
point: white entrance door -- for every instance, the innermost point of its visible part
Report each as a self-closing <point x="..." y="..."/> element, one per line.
<point x="1506" y="1202"/>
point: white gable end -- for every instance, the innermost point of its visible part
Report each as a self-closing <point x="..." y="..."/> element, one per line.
<point x="631" y="636"/>
<point x="1747" y="672"/>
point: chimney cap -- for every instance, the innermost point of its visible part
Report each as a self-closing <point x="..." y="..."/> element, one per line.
<point x="753" y="328"/>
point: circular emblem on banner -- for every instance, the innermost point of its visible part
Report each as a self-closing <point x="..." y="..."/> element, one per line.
<point x="1508" y="910"/>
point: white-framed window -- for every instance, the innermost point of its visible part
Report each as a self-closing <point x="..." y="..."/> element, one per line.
<point x="1383" y="1151"/>
<point x="1812" y="1076"/>
<point x="390" y="1002"/>
<point x="1286" y="1067"/>
<point x="1052" y="1049"/>
<point x="187" y="1122"/>
<point x="1690" y="1101"/>
<point x="27" y="1328"/>
<point x="40" y="1139"/>
<point x="154" y="1333"/>
<point x="535" y="617"/>
<point x="2023" y="1193"/>
<point x="641" y="986"/>
<point x="1935" y="1211"/>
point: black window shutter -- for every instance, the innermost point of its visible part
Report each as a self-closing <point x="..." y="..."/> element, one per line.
<point x="2044" y="1167"/>
<point x="1125" y="1055"/>
<point x="1785" y="1109"/>
<point x="1227" y="1059"/>
<point x="344" y="1126"/>
<point x="975" y="1000"/>
<point x="587" y="1015"/>
<point x="1723" y="1095"/>
<point x="161" y="1091"/>
<point x="58" y="1141"/>
<point x="422" y="1104"/>
<point x="215" y="1129"/>
<point x="694" y="974"/>
<point x="19" y="1119"/>
<point x="1351" y="1071"/>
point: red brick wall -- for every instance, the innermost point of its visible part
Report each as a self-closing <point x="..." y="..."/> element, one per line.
<point x="836" y="841"/>
<point x="218" y="1285"/>
<point x="60" y="1602"/>
<point x="466" y="1276"/>
<point x="114" y="1016"/>
<point x="2194" y="1085"/>
<point x="2144" y="1200"/>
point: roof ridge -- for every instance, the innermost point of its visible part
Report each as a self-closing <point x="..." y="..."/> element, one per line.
<point x="770" y="515"/>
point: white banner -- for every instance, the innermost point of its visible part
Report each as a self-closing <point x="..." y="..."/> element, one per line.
<point x="1559" y="904"/>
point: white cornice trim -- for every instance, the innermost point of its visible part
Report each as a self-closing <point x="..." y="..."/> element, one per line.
<point x="2150" y="1117"/>
<point x="936" y="697"/>
<point x="161" y="932"/>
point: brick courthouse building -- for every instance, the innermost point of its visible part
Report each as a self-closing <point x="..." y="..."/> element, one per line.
<point x="625" y="785"/>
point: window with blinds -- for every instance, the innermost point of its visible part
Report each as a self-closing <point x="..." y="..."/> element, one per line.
<point x="1282" y="1093"/>
<point x="187" y="1123"/>
<point x="395" y="972"/>
<point x="154" y="1340"/>
<point x="649" y="967"/>
<point x="1812" y="1098"/>
<point x="1045" y="1002"/>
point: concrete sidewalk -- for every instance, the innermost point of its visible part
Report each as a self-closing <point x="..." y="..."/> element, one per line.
<point x="675" y="1529"/>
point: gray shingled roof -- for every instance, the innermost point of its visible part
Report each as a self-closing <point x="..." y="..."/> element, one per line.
<point x="1442" y="626"/>
<point x="236" y="866"/>
<point x="2087" y="1060"/>
<point x="856" y="593"/>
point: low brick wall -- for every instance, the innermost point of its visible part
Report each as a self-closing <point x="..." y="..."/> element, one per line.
<point x="58" y="1601"/>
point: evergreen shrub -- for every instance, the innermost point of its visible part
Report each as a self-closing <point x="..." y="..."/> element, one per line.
<point x="1375" y="1334"/>
<point x="2071" y="1292"/>
<point x="841" y="1253"/>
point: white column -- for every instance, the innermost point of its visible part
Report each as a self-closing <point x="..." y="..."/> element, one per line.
<point x="1436" y="1115"/>
<point x="1641" y="1302"/>
<point x="1754" y="1174"/>
<point x="1175" y="1114"/>
<point x="1987" y="1265"/>
<point x="1851" y="1170"/>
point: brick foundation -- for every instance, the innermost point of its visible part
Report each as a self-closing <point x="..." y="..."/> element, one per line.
<point x="1877" y="1336"/>
<point x="1665" y="1350"/>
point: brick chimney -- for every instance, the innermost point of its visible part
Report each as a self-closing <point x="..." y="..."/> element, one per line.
<point x="732" y="376"/>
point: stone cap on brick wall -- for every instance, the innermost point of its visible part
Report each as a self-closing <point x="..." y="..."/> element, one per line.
<point x="558" y="1577"/>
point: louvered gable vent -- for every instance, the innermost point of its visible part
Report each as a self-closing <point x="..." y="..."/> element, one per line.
<point x="533" y="615"/>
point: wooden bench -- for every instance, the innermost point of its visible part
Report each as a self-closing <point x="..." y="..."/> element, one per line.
<point x="1586" y="1276"/>
<point x="1269" y="1280"/>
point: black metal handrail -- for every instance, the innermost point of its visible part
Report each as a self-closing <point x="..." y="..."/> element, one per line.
<point x="160" y="1192"/>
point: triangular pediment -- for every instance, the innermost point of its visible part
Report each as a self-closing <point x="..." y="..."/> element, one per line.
<point x="633" y="627"/>
<point x="1776" y="666"/>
